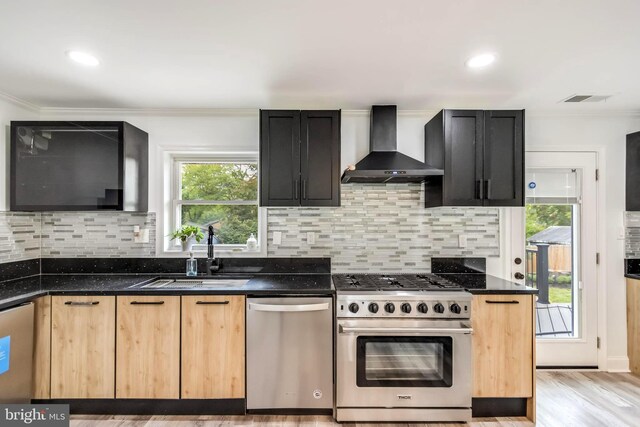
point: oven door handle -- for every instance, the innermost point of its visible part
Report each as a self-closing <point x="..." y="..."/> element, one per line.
<point x="286" y="307"/>
<point x="349" y="330"/>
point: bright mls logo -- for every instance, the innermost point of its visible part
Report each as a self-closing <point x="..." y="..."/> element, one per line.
<point x="34" y="415"/>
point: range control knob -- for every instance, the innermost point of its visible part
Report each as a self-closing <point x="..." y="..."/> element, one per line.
<point x="423" y="308"/>
<point x="389" y="307"/>
<point x="406" y="308"/>
<point x="353" y="307"/>
<point x="373" y="307"/>
<point x="438" y="308"/>
<point x="455" y="308"/>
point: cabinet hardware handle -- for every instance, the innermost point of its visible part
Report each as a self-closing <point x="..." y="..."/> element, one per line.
<point x="212" y="302"/>
<point x="487" y="189"/>
<point x="503" y="302"/>
<point x="295" y="189"/>
<point x="478" y="189"/>
<point x="304" y="189"/>
<point x="147" y="302"/>
<point x="87" y="303"/>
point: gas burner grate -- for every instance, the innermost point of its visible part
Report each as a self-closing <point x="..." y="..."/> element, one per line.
<point x="387" y="282"/>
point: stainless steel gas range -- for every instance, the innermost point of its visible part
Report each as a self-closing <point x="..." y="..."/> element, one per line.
<point x="403" y="349"/>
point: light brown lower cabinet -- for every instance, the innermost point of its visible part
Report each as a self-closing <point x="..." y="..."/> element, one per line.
<point x="148" y="347"/>
<point x="213" y="350"/>
<point x="83" y="347"/>
<point x="504" y="347"/>
<point x="633" y="324"/>
<point x="42" y="348"/>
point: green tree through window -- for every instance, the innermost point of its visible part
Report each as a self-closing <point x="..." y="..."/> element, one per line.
<point x="226" y="196"/>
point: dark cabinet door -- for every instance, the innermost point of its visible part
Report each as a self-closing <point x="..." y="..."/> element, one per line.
<point x="633" y="172"/>
<point x="503" y="180"/>
<point x="463" y="170"/>
<point x="320" y="158"/>
<point x="279" y="158"/>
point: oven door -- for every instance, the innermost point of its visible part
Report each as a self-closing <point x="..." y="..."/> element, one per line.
<point x="403" y="363"/>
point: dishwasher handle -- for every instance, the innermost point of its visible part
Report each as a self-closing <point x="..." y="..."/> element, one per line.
<point x="289" y="308"/>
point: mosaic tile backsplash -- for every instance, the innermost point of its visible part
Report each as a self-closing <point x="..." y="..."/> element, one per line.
<point x="383" y="228"/>
<point x="19" y="236"/>
<point x="96" y="234"/>
<point x="632" y="235"/>
<point x="377" y="228"/>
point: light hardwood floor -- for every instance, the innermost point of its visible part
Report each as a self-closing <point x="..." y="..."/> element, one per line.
<point x="565" y="399"/>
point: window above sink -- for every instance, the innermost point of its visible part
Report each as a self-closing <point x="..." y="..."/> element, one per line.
<point x="217" y="189"/>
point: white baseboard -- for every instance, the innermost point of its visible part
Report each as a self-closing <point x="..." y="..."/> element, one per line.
<point x="618" y="364"/>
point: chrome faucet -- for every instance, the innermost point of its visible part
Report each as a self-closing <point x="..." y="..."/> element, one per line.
<point x="213" y="264"/>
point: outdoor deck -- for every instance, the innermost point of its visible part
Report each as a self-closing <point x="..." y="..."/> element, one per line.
<point x="553" y="320"/>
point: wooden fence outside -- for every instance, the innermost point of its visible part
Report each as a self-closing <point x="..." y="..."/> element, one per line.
<point x="559" y="259"/>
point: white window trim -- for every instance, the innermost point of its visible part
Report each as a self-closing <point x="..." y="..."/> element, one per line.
<point x="200" y="250"/>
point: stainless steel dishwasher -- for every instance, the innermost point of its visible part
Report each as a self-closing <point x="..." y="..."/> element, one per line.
<point x="290" y="354"/>
<point x="16" y="354"/>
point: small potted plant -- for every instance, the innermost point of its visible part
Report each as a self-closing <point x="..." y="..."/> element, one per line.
<point x="188" y="235"/>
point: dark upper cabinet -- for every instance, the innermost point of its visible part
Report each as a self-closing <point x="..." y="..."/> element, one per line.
<point x="503" y="158"/>
<point x="633" y="172"/>
<point x="299" y="158"/>
<point x="482" y="154"/>
<point x="78" y="166"/>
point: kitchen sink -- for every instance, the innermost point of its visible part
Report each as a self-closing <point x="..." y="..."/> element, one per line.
<point x="195" y="284"/>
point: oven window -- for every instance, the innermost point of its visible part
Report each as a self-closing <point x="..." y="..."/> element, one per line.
<point x="404" y="361"/>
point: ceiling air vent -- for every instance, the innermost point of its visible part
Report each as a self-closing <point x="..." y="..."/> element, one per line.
<point x="587" y="98"/>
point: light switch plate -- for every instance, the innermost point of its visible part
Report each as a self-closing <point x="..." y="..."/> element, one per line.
<point x="277" y="237"/>
<point x="311" y="238"/>
<point x="462" y="241"/>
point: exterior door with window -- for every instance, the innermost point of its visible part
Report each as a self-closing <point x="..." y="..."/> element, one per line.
<point x="558" y="253"/>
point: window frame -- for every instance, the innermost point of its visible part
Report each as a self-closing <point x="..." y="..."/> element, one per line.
<point x="176" y="202"/>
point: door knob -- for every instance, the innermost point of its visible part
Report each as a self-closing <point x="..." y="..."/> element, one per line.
<point x="518" y="276"/>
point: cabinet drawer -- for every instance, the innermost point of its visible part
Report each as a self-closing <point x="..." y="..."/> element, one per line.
<point x="503" y="345"/>
<point x="82" y="347"/>
<point x="148" y="347"/>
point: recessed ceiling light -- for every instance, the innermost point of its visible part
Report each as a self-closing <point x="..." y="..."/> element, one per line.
<point x="83" y="58"/>
<point x="482" y="60"/>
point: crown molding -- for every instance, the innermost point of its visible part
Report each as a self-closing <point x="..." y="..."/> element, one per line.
<point x="254" y="112"/>
<point x="20" y="102"/>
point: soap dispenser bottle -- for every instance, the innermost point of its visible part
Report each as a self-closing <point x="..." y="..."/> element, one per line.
<point x="192" y="266"/>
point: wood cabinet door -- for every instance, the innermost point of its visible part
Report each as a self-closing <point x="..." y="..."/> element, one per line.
<point x="463" y="139"/>
<point x="148" y="347"/>
<point x="42" y="348"/>
<point x="503" y="345"/>
<point x="320" y="158"/>
<point x="213" y="352"/>
<point x="503" y="181"/>
<point x="83" y="347"/>
<point x="280" y="158"/>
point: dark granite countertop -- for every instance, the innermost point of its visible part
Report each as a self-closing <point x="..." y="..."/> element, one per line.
<point x="632" y="268"/>
<point x="21" y="290"/>
<point x="480" y="283"/>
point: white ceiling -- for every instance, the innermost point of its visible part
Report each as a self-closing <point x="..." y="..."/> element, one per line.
<point x="324" y="54"/>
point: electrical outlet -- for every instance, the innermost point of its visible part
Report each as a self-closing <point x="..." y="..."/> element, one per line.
<point x="141" y="236"/>
<point x="311" y="238"/>
<point x="277" y="237"/>
<point x="462" y="241"/>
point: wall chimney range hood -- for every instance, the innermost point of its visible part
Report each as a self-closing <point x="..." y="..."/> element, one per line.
<point x="384" y="164"/>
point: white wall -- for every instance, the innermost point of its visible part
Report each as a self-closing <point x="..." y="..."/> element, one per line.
<point x="236" y="131"/>
<point x="9" y="111"/>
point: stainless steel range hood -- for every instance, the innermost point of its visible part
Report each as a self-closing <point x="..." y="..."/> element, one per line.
<point x="384" y="164"/>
